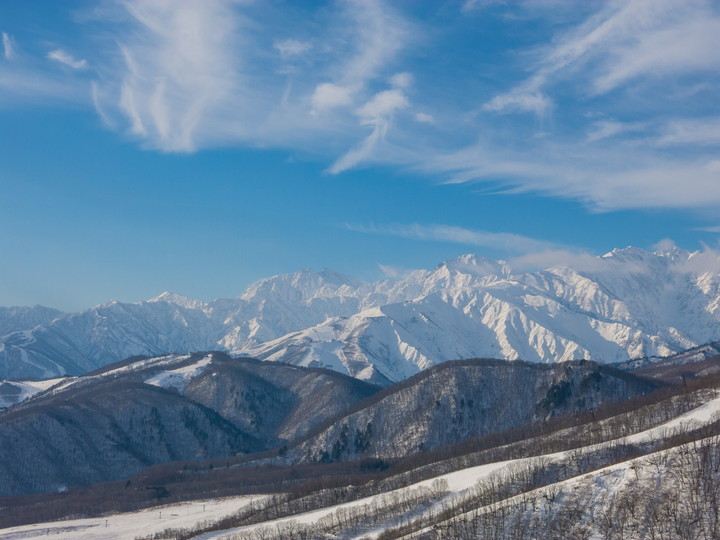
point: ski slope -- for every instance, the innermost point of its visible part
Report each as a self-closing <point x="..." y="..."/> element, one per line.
<point x="128" y="526"/>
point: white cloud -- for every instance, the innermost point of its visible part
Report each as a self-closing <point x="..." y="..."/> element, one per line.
<point x="8" y="46"/>
<point x="609" y="128"/>
<point x="401" y="80"/>
<point x="95" y="94"/>
<point x="390" y="271"/>
<point x="520" y="100"/>
<point x="659" y="43"/>
<point x="707" y="260"/>
<point x="424" y="118"/>
<point x="470" y="5"/>
<point x="395" y="272"/>
<point x="127" y="104"/>
<point x="508" y="242"/>
<point x="703" y="131"/>
<point x="186" y="75"/>
<point x="712" y="229"/>
<point x="376" y="113"/>
<point x="193" y="75"/>
<point x="381" y="106"/>
<point x="328" y="96"/>
<point x="27" y="79"/>
<point x="526" y="253"/>
<point x="554" y="257"/>
<point x="179" y="72"/>
<point x="666" y="244"/>
<point x="380" y="33"/>
<point x="606" y="179"/>
<point x="680" y="47"/>
<point x="292" y="47"/>
<point x="621" y="43"/>
<point x="65" y="58"/>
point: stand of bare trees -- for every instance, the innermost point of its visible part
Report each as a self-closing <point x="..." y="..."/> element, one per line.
<point x="526" y="499"/>
<point x="670" y="495"/>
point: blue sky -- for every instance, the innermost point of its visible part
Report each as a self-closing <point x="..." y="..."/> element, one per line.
<point x="198" y="146"/>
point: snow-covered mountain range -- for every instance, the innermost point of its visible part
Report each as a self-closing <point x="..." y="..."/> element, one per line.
<point x="629" y="303"/>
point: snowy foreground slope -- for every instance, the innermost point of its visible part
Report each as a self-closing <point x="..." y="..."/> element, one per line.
<point x="133" y="524"/>
<point x="652" y="472"/>
<point x="626" y="304"/>
<point x="582" y="506"/>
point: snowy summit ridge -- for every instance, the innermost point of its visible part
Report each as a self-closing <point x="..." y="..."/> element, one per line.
<point x="628" y="303"/>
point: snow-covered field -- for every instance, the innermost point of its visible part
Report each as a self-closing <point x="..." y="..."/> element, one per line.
<point x="460" y="482"/>
<point x="131" y="525"/>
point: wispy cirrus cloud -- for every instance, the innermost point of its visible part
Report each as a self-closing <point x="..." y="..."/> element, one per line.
<point x="624" y="41"/>
<point x="379" y="33"/>
<point x="328" y="96"/>
<point x="178" y="71"/>
<point x="292" y="47"/>
<point x="552" y="258"/>
<point x="607" y="178"/>
<point x="67" y="59"/>
<point x="8" y="46"/>
<point x="346" y="84"/>
<point x="376" y="113"/>
<point x="24" y="78"/>
<point x="695" y="131"/>
<point x="610" y="128"/>
<point x="504" y="241"/>
<point x="624" y="52"/>
<point x="527" y="254"/>
<point x="191" y="77"/>
<point x="523" y="253"/>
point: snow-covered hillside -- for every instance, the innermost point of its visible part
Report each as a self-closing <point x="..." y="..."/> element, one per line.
<point x="145" y="411"/>
<point x="626" y="304"/>
<point x="646" y="483"/>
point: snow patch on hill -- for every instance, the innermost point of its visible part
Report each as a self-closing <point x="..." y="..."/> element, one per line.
<point x="179" y="378"/>
<point x="13" y="392"/>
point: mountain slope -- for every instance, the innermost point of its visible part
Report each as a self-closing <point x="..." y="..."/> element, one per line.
<point x="17" y="318"/>
<point x="627" y="304"/>
<point x="458" y="400"/>
<point x="624" y="305"/>
<point x="118" y="420"/>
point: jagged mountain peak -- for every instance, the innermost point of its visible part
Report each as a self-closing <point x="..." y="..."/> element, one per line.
<point x="475" y="265"/>
<point x="636" y="254"/>
<point x="674" y="253"/>
<point x="178" y="299"/>
<point x="626" y="304"/>
<point x="305" y="284"/>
